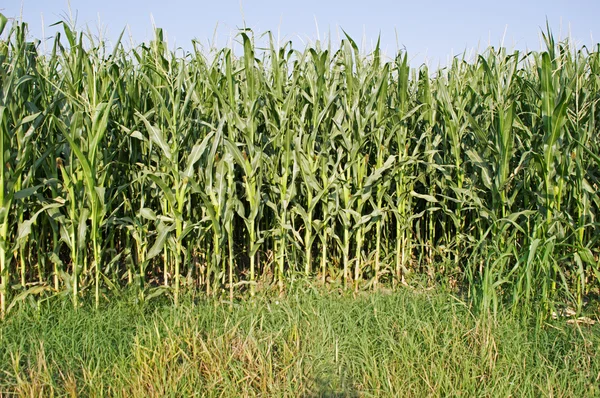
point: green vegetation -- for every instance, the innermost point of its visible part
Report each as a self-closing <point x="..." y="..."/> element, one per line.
<point x="281" y="222"/>
<point x="167" y="171"/>
<point x="310" y="343"/>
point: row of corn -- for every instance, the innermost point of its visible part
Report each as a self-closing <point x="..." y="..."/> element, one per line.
<point x="223" y="170"/>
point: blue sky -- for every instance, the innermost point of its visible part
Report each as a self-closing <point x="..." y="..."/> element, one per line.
<point x="430" y="30"/>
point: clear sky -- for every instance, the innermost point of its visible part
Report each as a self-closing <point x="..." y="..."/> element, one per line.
<point x="430" y="30"/>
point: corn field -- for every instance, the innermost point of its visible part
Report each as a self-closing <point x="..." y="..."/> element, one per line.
<point x="224" y="171"/>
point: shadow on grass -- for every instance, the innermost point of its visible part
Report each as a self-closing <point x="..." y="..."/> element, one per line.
<point x="323" y="388"/>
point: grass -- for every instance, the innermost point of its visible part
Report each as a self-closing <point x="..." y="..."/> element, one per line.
<point x="306" y="343"/>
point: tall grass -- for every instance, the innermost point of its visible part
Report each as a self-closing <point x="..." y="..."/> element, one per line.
<point x="308" y="343"/>
<point x="165" y="170"/>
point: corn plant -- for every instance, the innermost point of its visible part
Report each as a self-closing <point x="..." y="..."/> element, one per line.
<point x="223" y="171"/>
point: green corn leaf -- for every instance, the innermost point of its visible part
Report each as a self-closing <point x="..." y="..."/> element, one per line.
<point x="163" y="232"/>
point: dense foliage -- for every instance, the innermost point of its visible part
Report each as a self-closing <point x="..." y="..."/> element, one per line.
<point x="221" y="171"/>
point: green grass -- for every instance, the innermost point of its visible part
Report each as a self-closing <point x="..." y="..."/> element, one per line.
<point x="308" y="343"/>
